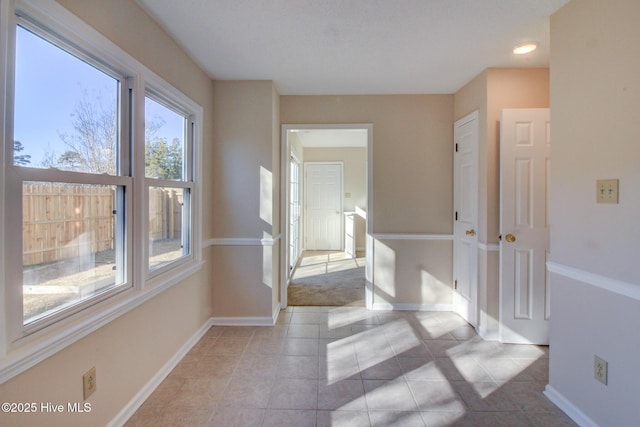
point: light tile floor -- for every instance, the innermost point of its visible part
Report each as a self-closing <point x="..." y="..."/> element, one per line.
<point x="346" y="366"/>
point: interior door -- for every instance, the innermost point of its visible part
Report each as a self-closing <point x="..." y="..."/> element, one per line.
<point x="465" y="242"/>
<point x="525" y="149"/>
<point x="323" y="201"/>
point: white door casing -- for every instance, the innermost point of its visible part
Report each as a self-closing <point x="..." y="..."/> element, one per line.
<point x="323" y="206"/>
<point x="525" y="148"/>
<point x="294" y="212"/>
<point x="465" y="242"/>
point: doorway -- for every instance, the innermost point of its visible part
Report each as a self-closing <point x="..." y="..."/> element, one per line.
<point x="335" y="146"/>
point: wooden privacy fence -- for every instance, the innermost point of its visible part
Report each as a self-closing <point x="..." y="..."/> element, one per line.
<point x="165" y="218"/>
<point x="62" y="221"/>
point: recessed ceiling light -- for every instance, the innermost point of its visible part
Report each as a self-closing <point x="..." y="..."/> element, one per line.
<point x="524" y="48"/>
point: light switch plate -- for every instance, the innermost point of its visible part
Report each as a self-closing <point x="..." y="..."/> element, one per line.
<point x="607" y="191"/>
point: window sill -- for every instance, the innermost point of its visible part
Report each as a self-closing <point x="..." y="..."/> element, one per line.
<point x="34" y="349"/>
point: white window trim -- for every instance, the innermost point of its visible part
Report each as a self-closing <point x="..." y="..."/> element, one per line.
<point x="187" y="182"/>
<point x="17" y="357"/>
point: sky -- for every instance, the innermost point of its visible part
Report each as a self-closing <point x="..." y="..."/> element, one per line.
<point x="49" y="85"/>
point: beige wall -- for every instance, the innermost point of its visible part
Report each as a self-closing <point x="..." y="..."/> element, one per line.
<point x="355" y="179"/>
<point x="412" y="154"/>
<point x="491" y="91"/>
<point x="130" y="350"/>
<point x="246" y="186"/>
<point x="412" y="274"/>
<point x="242" y="283"/>
<point x="274" y="252"/>
<point x="242" y="160"/>
<point x="412" y="182"/>
<point x="595" y="305"/>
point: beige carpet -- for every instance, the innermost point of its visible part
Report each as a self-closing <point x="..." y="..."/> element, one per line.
<point x="328" y="279"/>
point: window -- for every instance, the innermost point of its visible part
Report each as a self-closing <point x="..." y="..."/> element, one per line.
<point x="169" y="182"/>
<point x="66" y="149"/>
<point x="99" y="198"/>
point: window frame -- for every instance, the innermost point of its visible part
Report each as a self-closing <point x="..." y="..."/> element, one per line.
<point x="20" y="347"/>
<point x="187" y="182"/>
<point x="123" y="203"/>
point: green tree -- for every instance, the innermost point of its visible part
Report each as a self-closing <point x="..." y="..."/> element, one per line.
<point x="20" y="159"/>
<point x="163" y="159"/>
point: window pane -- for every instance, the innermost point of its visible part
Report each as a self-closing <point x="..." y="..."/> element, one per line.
<point x="164" y="142"/>
<point x="166" y="223"/>
<point x="65" y="110"/>
<point x="69" y="245"/>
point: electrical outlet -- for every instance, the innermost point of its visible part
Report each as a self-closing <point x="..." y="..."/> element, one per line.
<point x="89" y="383"/>
<point x="607" y="191"/>
<point x="600" y="368"/>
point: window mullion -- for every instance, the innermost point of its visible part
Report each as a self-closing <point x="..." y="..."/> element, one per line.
<point x="140" y="189"/>
<point x="125" y="195"/>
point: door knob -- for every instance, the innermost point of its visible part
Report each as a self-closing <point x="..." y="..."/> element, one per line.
<point x="470" y="232"/>
<point x="510" y="238"/>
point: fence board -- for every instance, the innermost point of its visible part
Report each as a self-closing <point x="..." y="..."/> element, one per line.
<point x="62" y="221"/>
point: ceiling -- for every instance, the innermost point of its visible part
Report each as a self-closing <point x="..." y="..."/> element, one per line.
<point x="314" y="47"/>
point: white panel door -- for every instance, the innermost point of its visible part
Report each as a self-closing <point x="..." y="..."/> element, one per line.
<point x="465" y="204"/>
<point x="525" y="148"/>
<point x="323" y="201"/>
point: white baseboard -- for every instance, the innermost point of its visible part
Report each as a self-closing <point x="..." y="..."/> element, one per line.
<point x="137" y="400"/>
<point x="488" y="335"/>
<point x="568" y="408"/>
<point x="243" y="321"/>
<point x="411" y="307"/>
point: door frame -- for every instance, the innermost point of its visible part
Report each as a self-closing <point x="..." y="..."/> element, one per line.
<point x="304" y="201"/>
<point x="285" y="154"/>
<point x="298" y="249"/>
<point x="473" y="314"/>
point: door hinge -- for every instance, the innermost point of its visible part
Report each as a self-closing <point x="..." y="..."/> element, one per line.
<point x="455" y="284"/>
<point x="456" y="147"/>
<point x="456" y="215"/>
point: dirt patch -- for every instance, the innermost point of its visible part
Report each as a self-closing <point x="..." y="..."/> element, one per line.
<point x="52" y="286"/>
